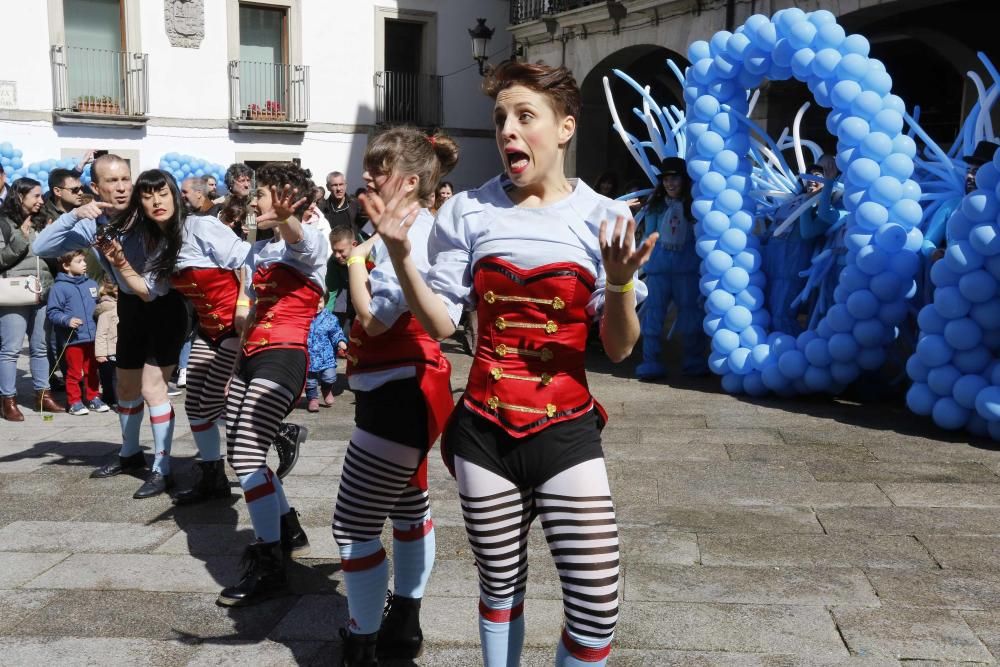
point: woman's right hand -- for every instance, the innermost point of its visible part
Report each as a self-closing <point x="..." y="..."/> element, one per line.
<point x="392" y="221"/>
<point x="240" y="319"/>
<point x="26" y="227"/>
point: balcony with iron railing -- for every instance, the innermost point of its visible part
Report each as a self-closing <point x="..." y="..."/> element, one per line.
<point x="522" y="11"/>
<point x="405" y="98"/>
<point x="268" y="97"/>
<point x="99" y="87"/>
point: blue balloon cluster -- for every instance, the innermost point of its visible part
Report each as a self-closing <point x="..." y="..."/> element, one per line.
<point x="185" y="166"/>
<point x="13" y="164"/>
<point x="956" y="379"/>
<point x="880" y="196"/>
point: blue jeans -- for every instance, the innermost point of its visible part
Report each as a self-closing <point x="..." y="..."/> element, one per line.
<point x="15" y="322"/>
<point x="327" y="377"/>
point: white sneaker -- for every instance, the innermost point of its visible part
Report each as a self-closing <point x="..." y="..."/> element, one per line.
<point x="173" y="389"/>
<point x="182" y="377"/>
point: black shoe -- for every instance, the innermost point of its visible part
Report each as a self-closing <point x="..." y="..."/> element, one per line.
<point x="358" y="650"/>
<point x="121" y="464"/>
<point x="212" y="483"/>
<point x="294" y="541"/>
<point x="287" y="443"/>
<point x="400" y="636"/>
<point x="156" y="484"/>
<point x="263" y="576"/>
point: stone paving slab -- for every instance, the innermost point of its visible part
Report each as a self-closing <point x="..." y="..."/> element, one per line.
<point x="56" y="508"/>
<point x="146" y="572"/>
<point x="814" y="551"/>
<point x="93" y="652"/>
<point x="17" y="605"/>
<point x="242" y="653"/>
<point x="750" y="585"/>
<point x="813" y="494"/>
<point x="19" y="568"/>
<point x="646" y="658"/>
<point x="730" y="627"/>
<point x="721" y="519"/>
<point x="942" y="495"/>
<point x="910" y="634"/>
<point x="964" y="553"/>
<point x="83" y="536"/>
<point x="986" y="626"/>
<point x="659" y="547"/>
<point x="941" y="589"/>
<point x="910" y="520"/>
<point x="906" y="472"/>
<point x="850" y="455"/>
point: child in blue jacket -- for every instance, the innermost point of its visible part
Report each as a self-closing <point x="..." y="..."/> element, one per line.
<point x="325" y="336"/>
<point x="71" y="304"/>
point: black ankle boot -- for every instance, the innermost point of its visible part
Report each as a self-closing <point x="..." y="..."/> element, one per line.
<point x="294" y="541"/>
<point x="358" y="650"/>
<point x="212" y="483"/>
<point x="400" y="636"/>
<point x="287" y="442"/>
<point x="263" y="576"/>
<point x="136" y="463"/>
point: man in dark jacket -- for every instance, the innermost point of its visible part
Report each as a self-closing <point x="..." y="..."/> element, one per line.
<point x="340" y="209"/>
<point x="65" y="193"/>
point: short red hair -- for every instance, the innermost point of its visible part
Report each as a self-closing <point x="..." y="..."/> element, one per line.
<point x="555" y="83"/>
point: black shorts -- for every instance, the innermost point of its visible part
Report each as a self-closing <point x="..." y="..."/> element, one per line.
<point x="526" y="462"/>
<point x="396" y="411"/>
<point x="285" y="367"/>
<point x="151" y="332"/>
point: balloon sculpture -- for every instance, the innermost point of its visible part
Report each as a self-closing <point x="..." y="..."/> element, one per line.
<point x="956" y="379"/>
<point x="185" y="166"/>
<point x="881" y="199"/>
<point x="13" y="164"/>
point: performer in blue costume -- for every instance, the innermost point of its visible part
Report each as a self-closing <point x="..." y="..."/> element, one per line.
<point x="671" y="275"/>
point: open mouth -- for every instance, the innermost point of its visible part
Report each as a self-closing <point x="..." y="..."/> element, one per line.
<point x="517" y="161"/>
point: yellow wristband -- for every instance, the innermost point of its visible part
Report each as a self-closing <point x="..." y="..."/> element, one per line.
<point x="243" y="302"/>
<point x="355" y="260"/>
<point x="621" y="289"/>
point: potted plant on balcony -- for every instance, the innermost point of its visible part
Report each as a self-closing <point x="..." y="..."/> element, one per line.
<point x="272" y="111"/>
<point x="100" y="105"/>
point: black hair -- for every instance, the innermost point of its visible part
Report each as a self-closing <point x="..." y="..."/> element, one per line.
<point x="660" y="194"/>
<point x="168" y="238"/>
<point x="236" y="171"/>
<point x="280" y="174"/>
<point x="58" y="177"/>
<point x="18" y="190"/>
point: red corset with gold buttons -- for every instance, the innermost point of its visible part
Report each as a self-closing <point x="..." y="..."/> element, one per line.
<point x="283" y="310"/>
<point x="528" y="371"/>
<point x="213" y="293"/>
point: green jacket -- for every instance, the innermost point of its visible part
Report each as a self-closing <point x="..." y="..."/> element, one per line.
<point x="16" y="258"/>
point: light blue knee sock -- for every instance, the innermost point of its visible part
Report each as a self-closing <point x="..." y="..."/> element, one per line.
<point x="587" y="651"/>
<point x="161" y="420"/>
<point x="413" y="547"/>
<point x="262" y="492"/>
<point x="501" y="630"/>
<point x="206" y="439"/>
<point x="366" y="576"/>
<point x="130" y="418"/>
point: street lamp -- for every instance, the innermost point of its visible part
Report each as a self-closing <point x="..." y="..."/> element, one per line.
<point x="481" y="36"/>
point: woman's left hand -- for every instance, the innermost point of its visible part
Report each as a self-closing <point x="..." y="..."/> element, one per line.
<point x="364" y="249"/>
<point x="392" y="221"/>
<point x="114" y="254"/>
<point x="620" y="256"/>
<point x="283" y="205"/>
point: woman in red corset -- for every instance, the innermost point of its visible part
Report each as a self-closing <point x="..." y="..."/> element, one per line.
<point x="288" y="272"/>
<point x="531" y="252"/>
<point x="401" y="385"/>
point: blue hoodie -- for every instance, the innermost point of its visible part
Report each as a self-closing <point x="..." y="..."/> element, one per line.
<point x="73" y="296"/>
<point x="324" y="334"/>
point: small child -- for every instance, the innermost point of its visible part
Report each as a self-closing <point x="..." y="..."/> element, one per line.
<point x="325" y="336"/>
<point x="106" y="339"/>
<point x="71" y="305"/>
<point x="342" y="239"/>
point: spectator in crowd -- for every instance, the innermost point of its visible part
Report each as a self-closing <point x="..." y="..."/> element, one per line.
<point x="71" y="304"/>
<point x="4" y="191"/>
<point x="65" y="193"/>
<point x="17" y="231"/>
<point x="442" y="193"/>
<point x="239" y="178"/>
<point x="325" y="338"/>
<point x="338" y="300"/>
<point x="213" y="188"/>
<point x="198" y="197"/>
<point x="607" y="185"/>
<point x="106" y="340"/>
<point x="233" y="214"/>
<point x="339" y="209"/>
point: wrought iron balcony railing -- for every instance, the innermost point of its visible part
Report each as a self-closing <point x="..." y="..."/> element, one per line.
<point x="268" y="92"/>
<point x="522" y="11"/>
<point x="94" y="81"/>
<point x="403" y="98"/>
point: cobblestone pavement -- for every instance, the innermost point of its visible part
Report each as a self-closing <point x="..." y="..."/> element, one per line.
<point x="772" y="532"/>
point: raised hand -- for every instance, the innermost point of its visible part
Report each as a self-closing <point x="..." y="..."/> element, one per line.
<point x="91" y="211"/>
<point x="392" y="221"/>
<point x="26" y="227"/>
<point x="112" y="250"/>
<point x="283" y="205"/>
<point x="620" y="256"/>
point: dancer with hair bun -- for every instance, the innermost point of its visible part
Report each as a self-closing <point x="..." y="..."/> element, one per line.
<point x="401" y="383"/>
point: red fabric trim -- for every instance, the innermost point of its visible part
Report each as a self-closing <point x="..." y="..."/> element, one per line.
<point x="413" y="534"/>
<point x="584" y="653"/>
<point x="161" y="419"/>
<point x="198" y="428"/>
<point x="259" y="491"/>
<point x="363" y="563"/>
<point x="501" y="615"/>
<point x="123" y="410"/>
